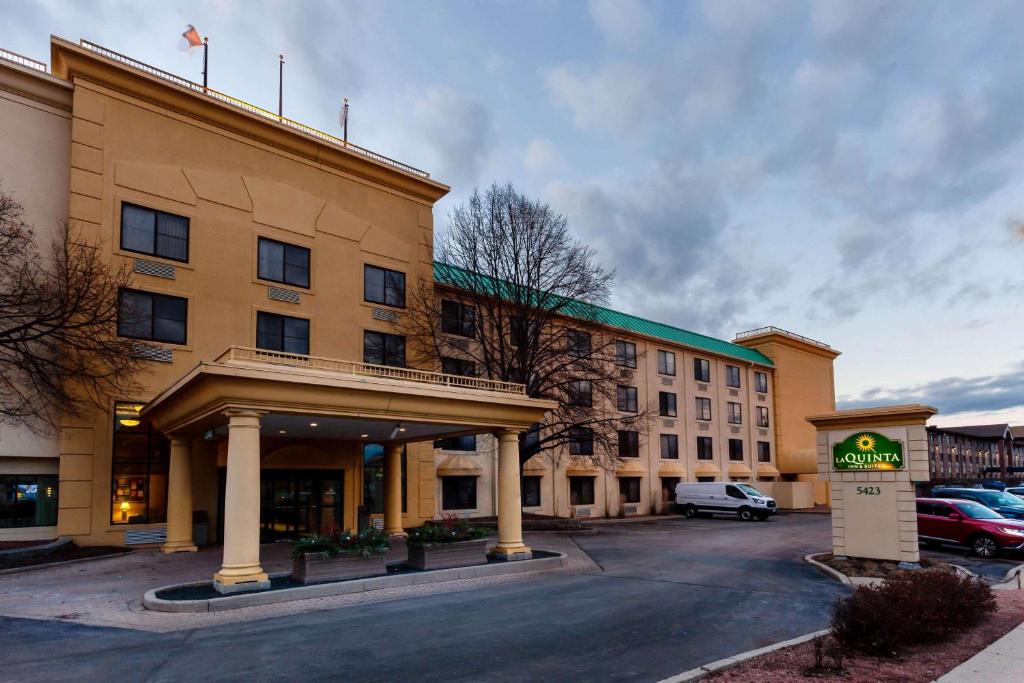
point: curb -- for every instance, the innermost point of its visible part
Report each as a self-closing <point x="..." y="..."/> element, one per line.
<point x="322" y="590"/>
<point x="722" y="664"/>
<point x="827" y="570"/>
<point x="33" y="550"/>
<point x="62" y="563"/>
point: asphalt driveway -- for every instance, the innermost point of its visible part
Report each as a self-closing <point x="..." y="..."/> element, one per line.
<point x="672" y="595"/>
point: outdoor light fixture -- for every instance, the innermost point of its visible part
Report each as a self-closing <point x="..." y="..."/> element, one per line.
<point x="363" y="436"/>
<point x="128" y="414"/>
<point x="282" y="432"/>
<point x="312" y="424"/>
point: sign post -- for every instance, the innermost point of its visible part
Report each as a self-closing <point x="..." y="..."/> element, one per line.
<point x="872" y="458"/>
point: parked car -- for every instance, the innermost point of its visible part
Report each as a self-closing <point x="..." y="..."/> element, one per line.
<point x="1016" y="491"/>
<point x="1006" y="504"/>
<point x="724" y="497"/>
<point x="993" y="484"/>
<point x="967" y="523"/>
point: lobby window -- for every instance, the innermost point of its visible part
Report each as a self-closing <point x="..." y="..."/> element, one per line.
<point x="735" y="413"/>
<point x="668" y="488"/>
<point x="705" y="450"/>
<point x="140" y="460"/>
<point x="629" y="489"/>
<point x="28" y="500"/>
<point x="701" y="370"/>
<point x="458" y="493"/>
<point x="625" y="398"/>
<point x="580" y="393"/>
<point x="625" y="354"/>
<point x="735" y="449"/>
<point x="383" y="286"/>
<point x="577" y="343"/>
<point x="380" y="348"/>
<point x="629" y="444"/>
<point x="581" y="490"/>
<point x="761" y="382"/>
<point x="530" y="487"/>
<point x="762" y="416"/>
<point x="732" y="376"/>
<point x="373" y="479"/>
<point x="458" y="318"/>
<point x="153" y="317"/>
<point x="157" y="233"/>
<point x="703" y="408"/>
<point x="457" y="443"/>
<point x="284" y="263"/>
<point x="282" y="333"/>
<point x="670" y="446"/>
<point x="764" y="451"/>
<point x="458" y="366"/>
<point x="666" y="404"/>
<point x="581" y="441"/>
<point x="666" y="363"/>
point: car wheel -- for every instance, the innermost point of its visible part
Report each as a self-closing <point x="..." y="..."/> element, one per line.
<point x="689" y="511"/>
<point x="984" y="546"/>
<point x="932" y="544"/>
<point x="746" y="514"/>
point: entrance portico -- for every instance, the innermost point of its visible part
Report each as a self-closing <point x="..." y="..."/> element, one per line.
<point x="252" y="395"/>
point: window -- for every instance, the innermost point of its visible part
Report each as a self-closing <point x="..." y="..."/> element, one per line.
<point x="701" y="370"/>
<point x="668" y="488"/>
<point x="28" y="500"/>
<point x="529" y="441"/>
<point x="735" y="449"/>
<point x="577" y="343"/>
<point x="761" y="382"/>
<point x="458" y="493"/>
<point x="581" y="490"/>
<point x="282" y="333"/>
<point x="581" y="441"/>
<point x="147" y="231"/>
<point x="629" y="444"/>
<point x="704" y="448"/>
<point x="735" y="413"/>
<point x="580" y="393"/>
<point x="383" y="349"/>
<point x="458" y="366"/>
<point x="373" y="483"/>
<point x="762" y="416"/>
<point x="530" y="487"/>
<point x="629" y="489"/>
<point x="764" y="451"/>
<point x="153" y="317"/>
<point x="522" y="331"/>
<point x="734" y="492"/>
<point x="666" y="363"/>
<point x="140" y="459"/>
<point x="458" y="318"/>
<point x="669" y="446"/>
<point x="625" y="398"/>
<point x="703" y="408"/>
<point x="732" y="376"/>
<point x="666" y="404"/>
<point x="625" y="354"/>
<point x="383" y="286"/>
<point x="285" y="263"/>
<point x="457" y="443"/>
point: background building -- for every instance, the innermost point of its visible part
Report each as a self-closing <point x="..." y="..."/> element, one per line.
<point x="993" y="451"/>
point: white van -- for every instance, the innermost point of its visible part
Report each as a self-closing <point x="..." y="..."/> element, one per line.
<point x="724" y="497"/>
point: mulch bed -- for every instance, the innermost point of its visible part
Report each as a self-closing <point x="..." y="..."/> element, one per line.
<point x="919" y="664"/>
<point x="857" y="566"/>
<point x="535" y="522"/>
<point x="62" y="554"/>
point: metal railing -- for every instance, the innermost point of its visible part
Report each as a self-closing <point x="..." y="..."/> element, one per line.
<point x="347" y="367"/>
<point x="22" y="60"/>
<point x="778" y="330"/>
<point x="251" y="108"/>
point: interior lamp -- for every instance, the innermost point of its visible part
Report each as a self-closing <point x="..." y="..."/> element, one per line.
<point x="125" y="507"/>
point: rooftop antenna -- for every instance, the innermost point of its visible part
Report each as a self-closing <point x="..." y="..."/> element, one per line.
<point x="280" y="86"/>
<point x="343" y="121"/>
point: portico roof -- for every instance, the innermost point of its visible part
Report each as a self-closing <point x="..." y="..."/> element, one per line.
<point x="348" y="400"/>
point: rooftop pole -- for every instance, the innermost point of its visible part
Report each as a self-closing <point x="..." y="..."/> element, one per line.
<point x="280" y="86"/>
<point x="206" y="51"/>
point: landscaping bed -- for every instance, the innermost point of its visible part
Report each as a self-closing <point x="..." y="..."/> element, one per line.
<point x="857" y="566"/>
<point x="535" y="522"/>
<point x="65" y="553"/>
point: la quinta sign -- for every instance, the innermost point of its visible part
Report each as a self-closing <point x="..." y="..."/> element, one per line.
<point x="867" y="451"/>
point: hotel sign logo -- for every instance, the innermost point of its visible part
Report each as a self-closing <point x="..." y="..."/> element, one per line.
<point x="867" y="451"/>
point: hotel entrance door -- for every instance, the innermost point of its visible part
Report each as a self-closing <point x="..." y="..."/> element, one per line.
<point x="299" y="502"/>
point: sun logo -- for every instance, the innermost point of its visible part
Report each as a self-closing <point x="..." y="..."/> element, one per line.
<point x="865" y="443"/>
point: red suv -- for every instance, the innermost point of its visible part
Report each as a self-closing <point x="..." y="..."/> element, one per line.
<point x="964" y="522"/>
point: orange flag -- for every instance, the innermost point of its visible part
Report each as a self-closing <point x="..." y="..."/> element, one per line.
<point x="190" y="39"/>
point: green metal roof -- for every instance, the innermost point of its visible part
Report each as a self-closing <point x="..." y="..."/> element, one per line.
<point x="457" y="277"/>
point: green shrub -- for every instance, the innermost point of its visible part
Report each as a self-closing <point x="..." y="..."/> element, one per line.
<point x="367" y="542"/>
<point x="925" y="606"/>
<point x="437" y="534"/>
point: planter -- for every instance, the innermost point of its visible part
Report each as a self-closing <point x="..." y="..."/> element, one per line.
<point x="448" y="555"/>
<point x="317" y="567"/>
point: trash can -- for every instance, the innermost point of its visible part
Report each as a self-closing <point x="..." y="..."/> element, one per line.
<point x="200" y="527"/>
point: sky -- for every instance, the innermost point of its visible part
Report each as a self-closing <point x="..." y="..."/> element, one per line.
<point x="851" y="171"/>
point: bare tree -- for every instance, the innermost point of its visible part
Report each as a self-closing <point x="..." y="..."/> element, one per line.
<point x="59" y="350"/>
<point x="524" y="308"/>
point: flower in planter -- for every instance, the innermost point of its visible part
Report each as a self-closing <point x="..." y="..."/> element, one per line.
<point x="367" y="542"/>
<point x="435" y="534"/>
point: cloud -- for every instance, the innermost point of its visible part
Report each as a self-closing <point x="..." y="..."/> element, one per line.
<point x="541" y="156"/>
<point x="622" y="22"/>
<point x="619" y="97"/>
<point x="456" y="132"/>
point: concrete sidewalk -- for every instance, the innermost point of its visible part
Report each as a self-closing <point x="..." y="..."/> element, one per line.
<point x="997" y="663"/>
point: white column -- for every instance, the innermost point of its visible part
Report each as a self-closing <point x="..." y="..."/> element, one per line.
<point x="179" y="498"/>
<point x="393" y="490"/>
<point x="510" y="505"/>
<point x="241" y="569"/>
